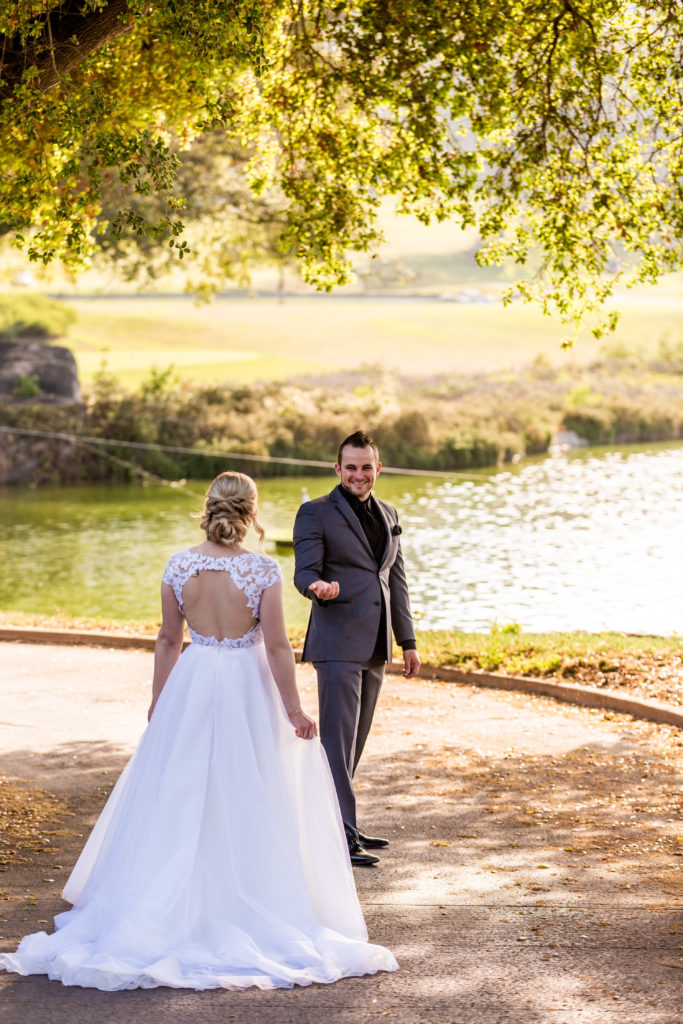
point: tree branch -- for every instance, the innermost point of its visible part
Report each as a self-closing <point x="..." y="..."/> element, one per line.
<point x="67" y="36"/>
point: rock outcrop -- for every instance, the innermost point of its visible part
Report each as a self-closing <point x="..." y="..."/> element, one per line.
<point x="53" y="365"/>
<point x="41" y="460"/>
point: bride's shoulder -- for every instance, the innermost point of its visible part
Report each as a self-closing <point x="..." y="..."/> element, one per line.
<point x="176" y="561"/>
<point x="268" y="568"/>
<point x="265" y="560"/>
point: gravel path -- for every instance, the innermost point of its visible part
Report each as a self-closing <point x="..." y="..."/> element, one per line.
<point x="534" y="875"/>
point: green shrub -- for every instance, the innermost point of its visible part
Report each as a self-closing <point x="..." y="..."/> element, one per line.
<point x="406" y="440"/>
<point x="537" y="438"/>
<point x="581" y="396"/>
<point x="28" y="386"/>
<point x="626" y="418"/>
<point x="441" y="424"/>
<point x="669" y="355"/>
<point x="469" y="449"/>
<point x="594" y="425"/>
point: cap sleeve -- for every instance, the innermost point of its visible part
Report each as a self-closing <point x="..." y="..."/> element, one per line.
<point x="173" y="577"/>
<point x="272" y="573"/>
<point x="169" y="574"/>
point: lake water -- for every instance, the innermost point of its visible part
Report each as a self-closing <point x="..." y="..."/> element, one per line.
<point x="580" y="540"/>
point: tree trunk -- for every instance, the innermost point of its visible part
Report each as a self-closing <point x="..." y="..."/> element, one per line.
<point x="69" y="35"/>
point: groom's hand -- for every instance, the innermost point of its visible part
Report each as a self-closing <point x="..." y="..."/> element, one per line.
<point x="411" y="664"/>
<point x="325" y="591"/>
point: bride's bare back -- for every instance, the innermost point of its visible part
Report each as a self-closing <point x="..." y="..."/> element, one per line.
<point x="229" y="599"/>
<point x="219" y="591"/>
<point x="215" y="606"/>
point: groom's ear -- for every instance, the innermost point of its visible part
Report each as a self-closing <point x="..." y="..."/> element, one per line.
<point x="379" y="466"/>
<point x="337" y="469"/>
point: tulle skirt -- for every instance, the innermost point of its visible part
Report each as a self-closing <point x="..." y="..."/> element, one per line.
<point x="219" y="860"/>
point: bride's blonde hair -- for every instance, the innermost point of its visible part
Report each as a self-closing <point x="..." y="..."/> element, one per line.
<point x="230" y="507"/>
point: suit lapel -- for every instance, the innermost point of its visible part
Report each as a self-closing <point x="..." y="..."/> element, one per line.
<point x="387" y="526"/>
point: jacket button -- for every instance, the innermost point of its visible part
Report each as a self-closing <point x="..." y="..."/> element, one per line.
<point x="376" y="602"/>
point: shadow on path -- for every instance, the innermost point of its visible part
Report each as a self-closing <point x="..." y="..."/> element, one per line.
<point x="518" y="889"/>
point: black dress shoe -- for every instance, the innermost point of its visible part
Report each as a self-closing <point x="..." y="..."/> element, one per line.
<point x="359" y="855"/>
<point x="372" y="842"/>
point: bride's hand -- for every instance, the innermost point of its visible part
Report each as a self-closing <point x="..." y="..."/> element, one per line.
<point x="304" y="726"/>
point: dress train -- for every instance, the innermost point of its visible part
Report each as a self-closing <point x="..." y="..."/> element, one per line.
<point x="219" y="860"/>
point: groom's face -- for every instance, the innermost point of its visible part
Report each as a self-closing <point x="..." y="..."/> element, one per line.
<point x="358" y="470"/>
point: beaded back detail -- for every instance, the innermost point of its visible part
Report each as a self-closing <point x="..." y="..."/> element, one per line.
<point x="251" y="572"/>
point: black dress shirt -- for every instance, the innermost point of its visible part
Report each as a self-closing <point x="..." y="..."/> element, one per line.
<point x="374" y="528"/>
<point x="371" y="521"/>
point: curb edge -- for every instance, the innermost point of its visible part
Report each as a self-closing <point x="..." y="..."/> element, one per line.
<point x="587" y="696"/>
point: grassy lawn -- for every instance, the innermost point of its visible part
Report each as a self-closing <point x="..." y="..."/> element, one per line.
<point x="240" y="340"/>
<point x="646" y="666"/>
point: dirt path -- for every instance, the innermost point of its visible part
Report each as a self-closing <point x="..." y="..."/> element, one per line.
<point x="534" y="875"/>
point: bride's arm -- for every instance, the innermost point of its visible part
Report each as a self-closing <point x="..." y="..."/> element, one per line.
<point x="281" y="659"/>
<point x="169" y="642"/>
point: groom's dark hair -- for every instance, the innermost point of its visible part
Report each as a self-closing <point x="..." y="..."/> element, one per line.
<point x="359" y="439"/>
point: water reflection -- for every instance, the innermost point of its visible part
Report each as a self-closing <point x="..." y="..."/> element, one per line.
<point x="575" y="541"/>
<point x="572" y="542"/>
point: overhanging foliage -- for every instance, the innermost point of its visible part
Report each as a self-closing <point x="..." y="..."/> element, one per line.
<point x="555" y="127"/>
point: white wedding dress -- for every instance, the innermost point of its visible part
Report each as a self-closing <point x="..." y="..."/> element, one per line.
<point x="219" y="860"/>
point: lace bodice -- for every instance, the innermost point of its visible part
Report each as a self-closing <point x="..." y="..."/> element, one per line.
<point x="251" y="572"/>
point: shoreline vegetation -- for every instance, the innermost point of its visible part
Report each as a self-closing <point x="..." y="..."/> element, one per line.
<point x="458" y="422"/>
<point x="444" y="423"/>
<point x="649" y="667"/>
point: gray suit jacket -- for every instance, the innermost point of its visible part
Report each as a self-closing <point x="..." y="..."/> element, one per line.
<point x="329" y="544"/>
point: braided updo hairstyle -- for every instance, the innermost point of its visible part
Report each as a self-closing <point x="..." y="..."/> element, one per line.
<point x="230" y="508"/>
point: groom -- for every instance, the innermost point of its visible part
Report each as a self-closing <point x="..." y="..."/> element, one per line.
<point x="348" y="561"/>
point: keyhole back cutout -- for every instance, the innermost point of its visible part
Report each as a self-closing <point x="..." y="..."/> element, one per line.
<point x="215" y="606"/>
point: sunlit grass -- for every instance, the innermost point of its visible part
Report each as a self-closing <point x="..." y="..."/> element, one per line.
<point x="509" y="649"/>
<point x="133" y="367"/>
<point x="246" y="339"/>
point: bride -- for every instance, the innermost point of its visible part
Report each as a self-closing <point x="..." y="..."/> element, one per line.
<point x="219" y="860"/>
